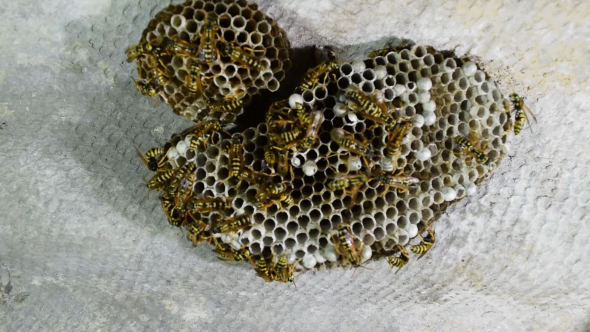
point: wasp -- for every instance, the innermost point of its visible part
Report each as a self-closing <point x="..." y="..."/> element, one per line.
<point x="234" y="52"/>
<point x="236" y="158"/>
<point x="272" y="189"/>
<point x="149" y="88"/>
<point x="268" y="200"/>
<point x="425" y="245"/>
<point x="269" y="154"/>
<point x="154" y="158"/>
<point x="181" y="48"/>
<point x="195" y="231"/>
<point x="276" y="189"/>
<point x="376" y="112"/>
<point x="353" y="145"/>
<point x="400" y="261"/>
<point x="234" y="224"/>
<point x="283" y="164"/>
<point x="393" y="147"/>
<point x="208" y="204"/>
<point x="348" y="181"/>
<point x="346" y="246"/>
<point x="207" y="47"/>
<point x="273" y="193"/>
<point x="277" y="109"/>
<point x="284" y="271"/>
<point x="263" y="270"/>
<point x="227" y="253"/>
<point x="141" y="49"/>
<point x="176" y="217"/>
<point x="201" y="133"/>
<point x="159" y="76"/>
<point x="229" y="104"/>
<point x="160" y="179"/>
<point x="288" y="138"/>
<point x="522" y="114"/>
<point x="197" y="141"/>
<point x="242" y="255"/>
<point x="402" y="183"/>
<point x="311" y="135"/>
<point x="183" y="171"/>
<point x="253" y="177"/>
<point x="312" y="76"/>
<point x="469" y="145"/>
<point x="145" y="49"/>
<point x="193" y="79"/>
<point x="303" y="116"/>
<point x="203" y="127"/>
<point x="173" y="214"/>
<point x="185" y="190"/>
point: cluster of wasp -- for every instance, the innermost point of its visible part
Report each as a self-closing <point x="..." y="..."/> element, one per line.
<point x="293" y="127"/>
<point x="207" y="48"/>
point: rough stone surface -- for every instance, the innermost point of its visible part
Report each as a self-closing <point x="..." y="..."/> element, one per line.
<point x="81" y="246"/>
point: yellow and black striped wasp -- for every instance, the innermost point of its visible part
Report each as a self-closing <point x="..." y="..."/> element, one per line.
<point x="522" y="113"/>
<point x="345" y="243"/>
<point x="425" y="245"/>
<point x="235" y="53"/>
<point x="400" y="261"/>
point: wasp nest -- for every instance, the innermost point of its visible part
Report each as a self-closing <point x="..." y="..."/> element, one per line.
<point x="358" y="164"/>
<point x="207" y="58"/>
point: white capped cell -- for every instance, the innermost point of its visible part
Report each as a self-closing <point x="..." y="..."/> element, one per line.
<point x="380" y="72"/>
<point x="310" y="168"/>
<point x="236" y="245"/>
<point x="429" y="117"/>
<point x="340" y="109"/>
<point x="358" y="66"/>
<point x="291" y="259"/>
<point x="429" y="106"/>
<point x="366" y="253"/>
<point x="424" y="84"/>
<point x="320" y="259"/>
<point x="423" y="97"/>
<point x="423" y="154"/>
<point x="172" y="153"/>
<point x="469" y="68"/>
<point x="296" y="160"/>
<point x="354" y="164"/>
<point x="402" y="236"/>
<point x="386" y="164"/>
<point x="330" y="253"/>
<point x="352" y="118"/>
<point x="412" y="230"/>
<point x="470" y="189"/>
<point x="309" y="261"/>
<point x="399" y="89"/>
<point x="418" y="120"/>
<point x="226" y="238"/>
<point x="181" y="147"/>
<point x="295" y="99"/>
<point x="449" y="194"/>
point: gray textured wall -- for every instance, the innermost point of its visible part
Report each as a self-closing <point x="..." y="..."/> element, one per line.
<point x="82" y="247"/>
